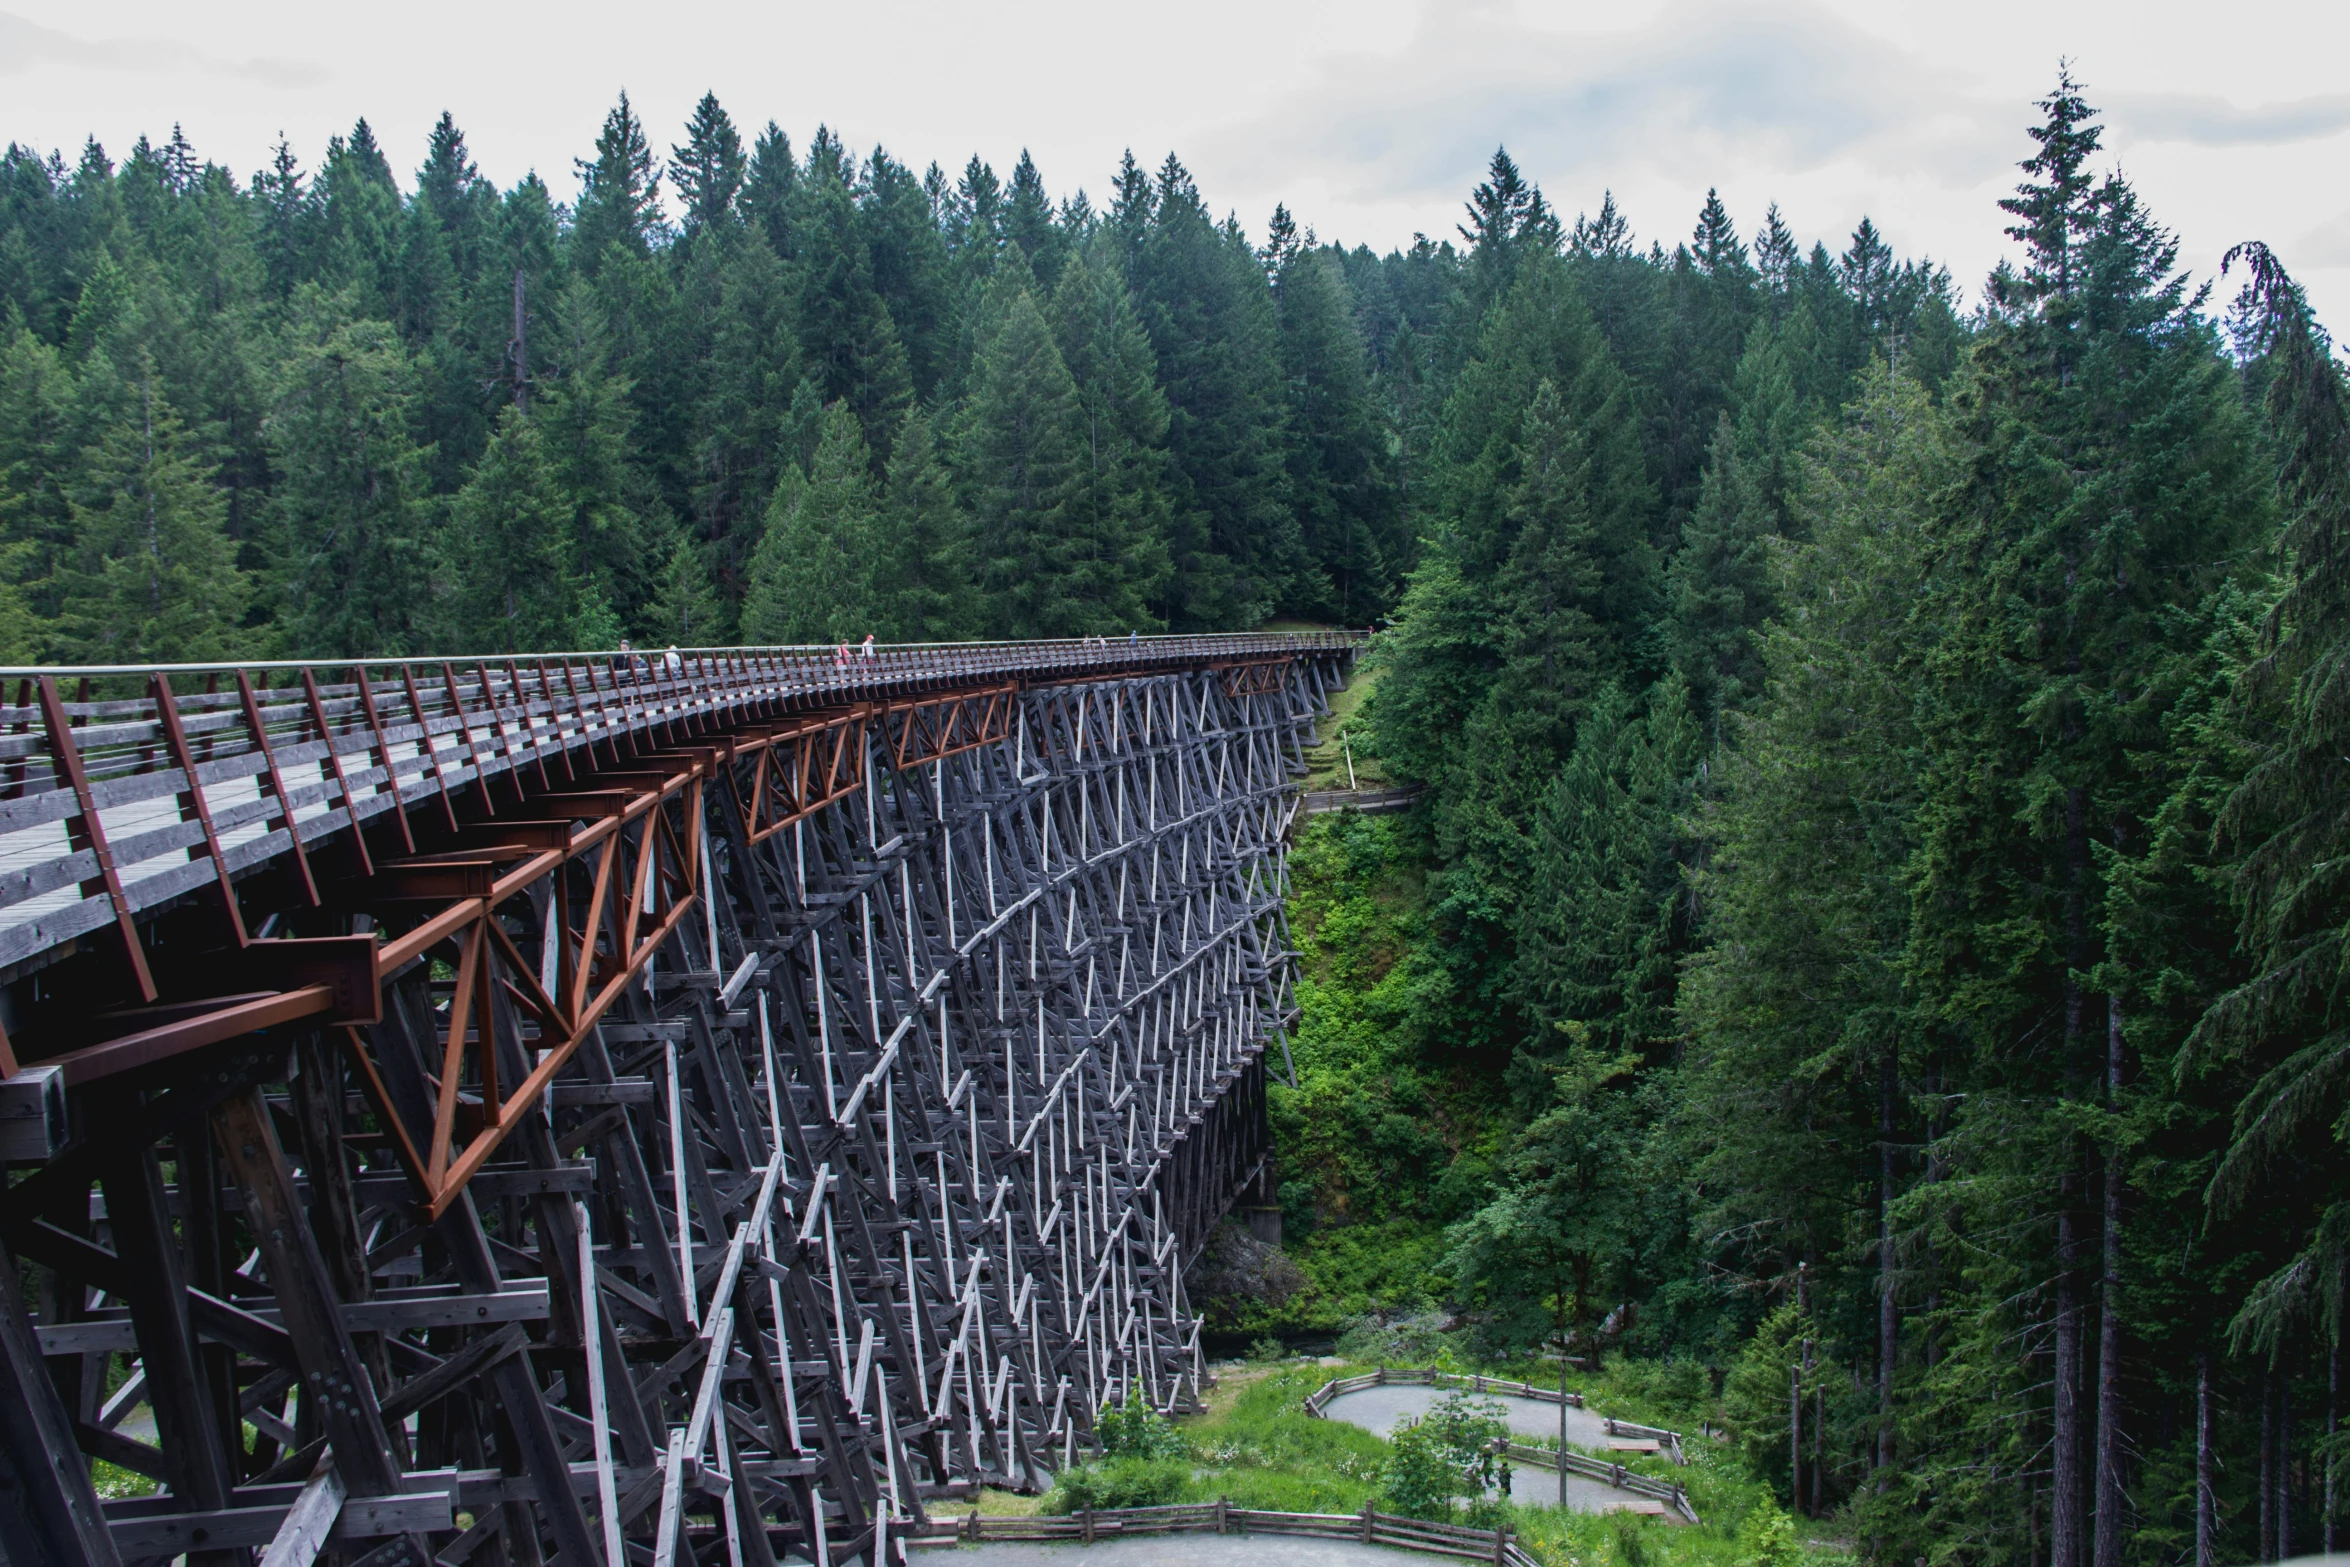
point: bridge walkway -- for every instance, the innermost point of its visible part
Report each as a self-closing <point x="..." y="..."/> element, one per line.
<point x="584" y="1107"/>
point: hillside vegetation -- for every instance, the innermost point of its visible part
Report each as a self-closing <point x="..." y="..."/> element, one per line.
<point x="1867" y="950"/>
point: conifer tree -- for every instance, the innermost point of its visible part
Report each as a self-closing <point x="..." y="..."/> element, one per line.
<point x="1237" y="549"/>
<point x="684" y="609"/>
<point x="620" y="191"/>
<point x="1507" y="219"/>
<point x="1117" y="506"/>
<point x="1601" y="929"/>
<point x="285" y="221"/>
<point x="912" y="271"/>
<point x="508" y="556"/>
<point x="1799" y="1003"/>
<point x="974" y="221"/>
<point x="38" y="442"/>
<point x="1028" y="223"/>
<point x="750" y="368"/>
<point x="359" y="217"/>
<point x="846" y="334"/>
<point x="707" y="171"/>
<point x="357" y="528"/>
<point x="1777" y="258"/>
<point x="151" y="573"/>
<point x="926" y="589"/>
<point x="767" y="196"/>
<point x="813" y="575"/>
<point x="1018" y="446"/>
<point x="2088" y="533"/>
<point x="1718" y="585"/>
<point x="2283" y="823"/>
<point x="1346" y="505"/>
<point x="584" y="423"/>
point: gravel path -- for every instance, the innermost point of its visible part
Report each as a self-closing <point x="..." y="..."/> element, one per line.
<point x="1379" y="1408"/>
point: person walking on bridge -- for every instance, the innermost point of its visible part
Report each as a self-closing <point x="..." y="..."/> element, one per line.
<point x="868" y="644"/>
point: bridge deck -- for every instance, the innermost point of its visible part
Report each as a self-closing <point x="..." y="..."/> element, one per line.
<point x="693" y="1106"/>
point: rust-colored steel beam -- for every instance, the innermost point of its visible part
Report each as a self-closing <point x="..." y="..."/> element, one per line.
<point x="629" y="1104"/>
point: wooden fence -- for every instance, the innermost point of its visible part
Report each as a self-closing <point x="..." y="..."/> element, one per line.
<point x="1319" y="1400"/>
<point x="1672" y="1495"/>
<point x="1369" y="1527"/>
<point x="1371" y="802"/>
<point x="1668" y="1442"/>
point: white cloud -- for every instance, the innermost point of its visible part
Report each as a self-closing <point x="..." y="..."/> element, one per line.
<point x="28" y="47"/>
<point x="1370" y="118"/>
<point x="2207" y="121"/>
<point x="1698" y="88"/>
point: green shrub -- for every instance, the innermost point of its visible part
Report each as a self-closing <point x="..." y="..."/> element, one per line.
<point x="1118" y="1482"/>
<point x="1447" y="1454"/>
<point x="1135" y="1430"/>
<point x="1768" y="1540"/>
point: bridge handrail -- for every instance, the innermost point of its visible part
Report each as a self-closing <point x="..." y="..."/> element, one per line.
<point x="98" y="821"/>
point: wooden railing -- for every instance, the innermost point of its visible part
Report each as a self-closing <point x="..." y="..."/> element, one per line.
<point x="1617" y="1475"/>
<point x="1371" y="802"/>
<point x="1318" y="1402"/>
<point x="1369" y="1527"/>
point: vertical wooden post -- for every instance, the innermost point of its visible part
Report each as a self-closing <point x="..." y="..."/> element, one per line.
<point x="48" y="1508"/>
<point x="195" y="1451"/>
<point x="332" y="1376"/>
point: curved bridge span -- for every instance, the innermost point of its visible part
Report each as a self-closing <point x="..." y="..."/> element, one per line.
<point x="601" y="1109"/>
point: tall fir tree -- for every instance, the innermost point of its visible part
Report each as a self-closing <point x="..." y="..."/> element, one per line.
<point x="1019" y="444"/>
<point x="151" y="574"/>
<point x="355" y="525"/>
<point x="927" y="588"/>
<point x="620" y="191"/>
<point x="1118" y="513"/>
<point x="1718" y="585"/>
<point x="812" y="578"/>
<point x="707" y="171"/>
<point x="511" y="579"/>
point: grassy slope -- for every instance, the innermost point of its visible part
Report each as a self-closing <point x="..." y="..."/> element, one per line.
<point x="1326" y="758"/>
<point x="1256" y="1446"/>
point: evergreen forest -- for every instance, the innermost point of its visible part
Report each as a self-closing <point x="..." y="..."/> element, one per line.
<point x="1870" y="944"/>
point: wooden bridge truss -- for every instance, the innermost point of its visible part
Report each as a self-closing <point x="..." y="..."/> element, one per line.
<point x="599" y="1110"/>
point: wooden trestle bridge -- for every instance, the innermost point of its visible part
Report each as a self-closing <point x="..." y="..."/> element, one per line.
<point x="619" y="1108"/>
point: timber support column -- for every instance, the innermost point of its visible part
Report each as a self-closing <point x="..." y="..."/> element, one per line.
<point x="333" y="1379"/>
<point x="48" y="1508"/>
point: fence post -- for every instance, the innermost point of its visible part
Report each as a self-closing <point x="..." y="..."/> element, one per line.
<point x="1223" y="1513"/>
<point x="1088" y="1517"/>
<point x="1367" y="1516"/>
<point x="1499" y="1539"/>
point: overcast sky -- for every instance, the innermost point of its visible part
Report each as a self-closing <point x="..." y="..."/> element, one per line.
<point x="1371" y="118"/>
